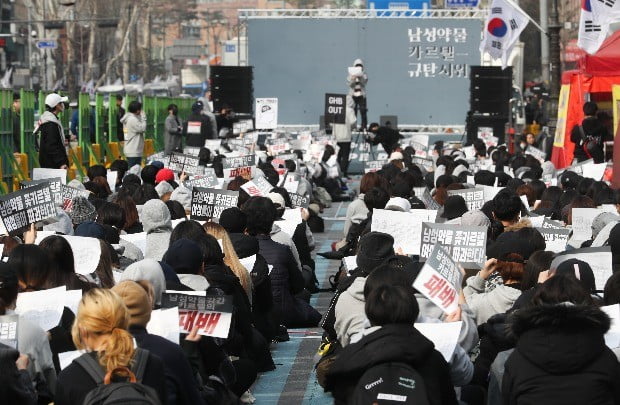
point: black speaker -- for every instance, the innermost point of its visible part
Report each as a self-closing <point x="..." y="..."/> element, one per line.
<point x="388" y="121"/>
<point x="232" y="86"/>
<point x="490" y="90"/>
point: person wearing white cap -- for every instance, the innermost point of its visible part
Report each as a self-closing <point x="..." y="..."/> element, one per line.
<point x="52" y="151"/>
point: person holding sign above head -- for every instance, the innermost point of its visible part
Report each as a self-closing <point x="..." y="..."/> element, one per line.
<point x="52" y="150"/>
<point x="134" y="124"/>
<point x="357" y="80"/>
<point x="197" y="129"/>
<point x="101" y="328"/>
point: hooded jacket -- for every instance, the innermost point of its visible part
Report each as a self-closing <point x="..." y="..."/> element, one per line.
<point x="485" y="305"/>
<point x="52" y="152"/>
<point x="155" y="219"/>
<point x="391" y="343"/>
<point x="358" y="87"/>
<point x="342" y="132"/>
<point x="356" y="213"/>
<point x="134" y="126"/>
<point x="561" y="358"/>
<point x="278" y="235"/>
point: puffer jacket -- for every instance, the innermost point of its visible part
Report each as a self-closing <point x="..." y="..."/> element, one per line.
<point x="561" y="358"/>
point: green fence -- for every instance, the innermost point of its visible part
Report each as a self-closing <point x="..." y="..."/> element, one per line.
<point x="28" y="138"/>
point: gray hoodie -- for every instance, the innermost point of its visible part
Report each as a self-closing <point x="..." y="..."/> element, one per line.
<point x="485" y="305"/>
<point x="155" y="219"/>
<point x="134" y="127"/>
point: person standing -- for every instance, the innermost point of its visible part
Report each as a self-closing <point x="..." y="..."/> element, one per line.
<point x="342" y="132"/>
<point x="197" y="128"/>
<point x="134" y="125"/>
<point x="52" y="150"/>
<point x="17" y="122"/>
<point x="120" y="112"/>
<point x="173" y="130"/>
<point x="357" y="90"/>
<point x="589" y="136"/>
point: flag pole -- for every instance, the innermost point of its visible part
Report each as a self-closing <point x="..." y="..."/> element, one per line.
<point x="536" y="24"/>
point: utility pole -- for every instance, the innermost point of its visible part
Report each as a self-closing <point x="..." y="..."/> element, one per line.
<point x="554" y="66"/>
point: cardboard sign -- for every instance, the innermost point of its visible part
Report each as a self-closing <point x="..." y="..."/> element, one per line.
<point x="466" y="244"/>
<point x="39" y="173"/>
<point x="373" y="165"/>
<point x="335" y="108"/>
<point x="440" y="280"/>
<point x="243" y="166"/>
<point x="405" y="227"/>
<point x="43" y="308"/>
<point x="208" y="203"/>
<point x="266" y="113"/>
<point x="299" y="201"/>
<point x="55" y="186"/>
<point x="474" y="197"/>
<point x="555" y="239"/>
<point x="189" y="164"/>
<point x="21" y="208"/>
<point x="211" y="314"/>
<point x="599" y="260"/>
<point x="582" y="219"/>
<point x="8" y="330"/>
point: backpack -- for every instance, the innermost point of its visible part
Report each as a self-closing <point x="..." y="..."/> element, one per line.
<point x="591" y="146"/>
<point x="131" y="392"/>
<point x="390" y="383"/>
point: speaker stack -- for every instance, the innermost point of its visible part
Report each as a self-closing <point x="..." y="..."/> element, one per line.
<point x="490" y="91"/>
<point x="232" y="86"/>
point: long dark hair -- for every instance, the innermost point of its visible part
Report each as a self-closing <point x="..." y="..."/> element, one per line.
<point x="32" y="265"/>
<point x="8" y="287"/>
<point x="62" y="265"/>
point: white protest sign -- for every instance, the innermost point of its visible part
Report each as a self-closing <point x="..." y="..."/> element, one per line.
<point x="490" y="192"/>
<point x="537" y="222"/>
<point x="139" y="239"/>
<point x="212" y="315"/>
<point x="609" y="208"/>
<point x="612" y="337"/>
<point x="263" y="185"/>
<point x="8" y="330"/>
<point x="39" y="173"/>
<point x="291" y="186"/>
<point x="165" y="323"/>
<point x="248" y="262"/>
<point x="537" y="153"/>
<point x="582" y="222"/>
<point x="86" y="253"/>
<point x="67" y="358"/>
<point x="287" y="226"/>
<point x="555" y="239"/>
<point x="266" y="113"/>
<point x="594" y="171"/>
<point x="112" y="177"/>
<point x="444" y="335"/>
<point x="440" y="280"/>
<point x="43" y="308"/>
<point x="252" y="189"/>
<point x="598" y="258"/>
<point x="350" y="263"/>
<point x="474" y="197"/>
<point x="405" y="227"/>
<point x="466" y="244"/>
<point x="72" y="300"/>
<point x="524" y="201"/>
<point x="293" y="214"/>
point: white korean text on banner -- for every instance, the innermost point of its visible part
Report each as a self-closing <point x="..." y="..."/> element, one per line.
<point x="211" y="314"/>
<point x="28" y="206"/>
<point x="466" y="244"/>
<point x="208" y="203"/>
<point x="243" y="166"/>
<point x="474" y="197"/>
<point x="55" y="185"/>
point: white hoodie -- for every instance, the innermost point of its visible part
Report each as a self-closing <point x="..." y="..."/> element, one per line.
<point x="134" y="127"/>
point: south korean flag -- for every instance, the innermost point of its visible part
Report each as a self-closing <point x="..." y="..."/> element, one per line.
<point x="595" y="23"/>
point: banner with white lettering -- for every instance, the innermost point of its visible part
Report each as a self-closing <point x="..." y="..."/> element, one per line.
<point x="474" y="197"/>
<point x="467" y="244"/>
<point x="335" y="108"/>
<point x="55" y="185"/>
<point x="211" y="314"/>
<point x="299" y="201"/>
<point x="8" y="330"/>
<point x="21" y="208"/>
<point x="189" y="164"/>
<point x="440" y="280"/>
<point x="555" y="239"/>
<point x="243" y="166"/>
<point x="208" y="203"/>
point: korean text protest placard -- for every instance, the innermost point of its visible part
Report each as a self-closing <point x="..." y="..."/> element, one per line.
<point x="243" y="166"/>
<point x="209" y="203"/>
<point x="474" y="197"/>
<point x="599" y="259"/>
<point x="28" y="206"/>
<point x="440" y="280"/>
<point x="55" y="186"/>
<point x="208" y="180"/>
<point x="405" y="227"/>
<point x="555" y="239"/>
<point x="211" y="314"/>
<point x="185" y="163"/>
<point x="8" y="330"/>
<point x="466" y="244"/>
<point x="299" y="201"/>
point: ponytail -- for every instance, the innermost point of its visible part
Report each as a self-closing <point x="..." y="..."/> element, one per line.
<point x="118" y="351"/>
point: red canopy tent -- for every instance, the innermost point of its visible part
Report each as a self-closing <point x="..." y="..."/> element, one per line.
<point x="595" y="77"/>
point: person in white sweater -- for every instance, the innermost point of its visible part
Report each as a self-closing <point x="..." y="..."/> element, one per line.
<point x="134" y="125"/>
<point x="484" y="305"/>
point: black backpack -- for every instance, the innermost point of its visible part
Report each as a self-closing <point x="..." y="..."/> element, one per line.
<point x="131" y="392"/>
<point x="390" y="383"/>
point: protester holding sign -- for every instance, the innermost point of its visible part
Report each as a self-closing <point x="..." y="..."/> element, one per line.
<point x="357" y="80"/>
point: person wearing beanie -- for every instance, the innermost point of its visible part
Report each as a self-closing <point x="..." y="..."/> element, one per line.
<point x="185" y="258"/>
<point x="197" y="129"/>
<point x="164" y="190"/>
<point x="233" y="220"/>
<point x="82" y="211"/>
<point x="155" y="219"/>
<point x="164" y="175"/>
<point x="181" y="386"/>
<point x="373" y="250"/>
<point x="149" y="270"/>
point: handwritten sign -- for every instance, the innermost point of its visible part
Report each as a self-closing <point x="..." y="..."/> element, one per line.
<point x="466" y="244"/>
<point x="266" y="113"/>
<point x="39" y="173"/>
<point x="440" y="280"/>
<point x="405" y="227"/>
<point x="582" y="219"/>
<point x="208" y="203"/>
<point x="444" y="335"/>
<point x="555" y="239"/>
<point x="8" y="330"/>
<point x="211" y="314"/>
<point x="21" y="208"/>
<point x="599" y="260"/>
